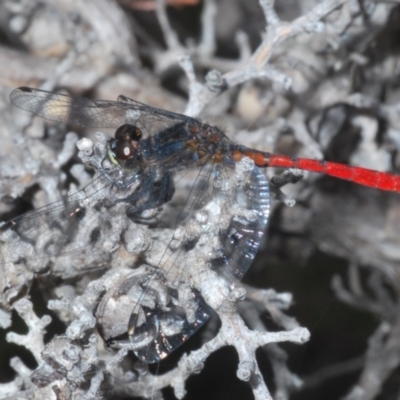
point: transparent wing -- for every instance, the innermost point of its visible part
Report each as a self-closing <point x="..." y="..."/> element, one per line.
<point x="95" y="113"/>
<point x="220" y="228"/>
<point x="69" y="237"/>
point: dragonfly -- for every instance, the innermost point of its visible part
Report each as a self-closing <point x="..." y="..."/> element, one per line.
<point x="204" y="197"/>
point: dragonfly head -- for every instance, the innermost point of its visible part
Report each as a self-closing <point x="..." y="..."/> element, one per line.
<point x="124" y="147"/>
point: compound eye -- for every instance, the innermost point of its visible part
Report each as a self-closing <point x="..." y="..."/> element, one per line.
<point x="124" y="150"/>
<point x="126" y="141"/>
<point x="127" y="133"/>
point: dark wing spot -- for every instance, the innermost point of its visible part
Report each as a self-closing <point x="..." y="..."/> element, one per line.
<point x="95" y="235"/>
<point x="25" y="89"/>
<point x="79" y="213"/>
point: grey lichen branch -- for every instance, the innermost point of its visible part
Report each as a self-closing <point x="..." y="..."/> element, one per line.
<point x="198" y="97"/>
<point x="8" y="388"/>
<point x="270" y="15"/>
<point x="235" y="333"/>
<point x="74" y="370"/>
<point x="207" y="45"/>
<point x="382" y="355"/>
<point x="257" y="65"/>
<point x="33" y="340"/>
<point x="278" y="181"/>
<point x="258" y="300"/>
<point x="170" y="35"/>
